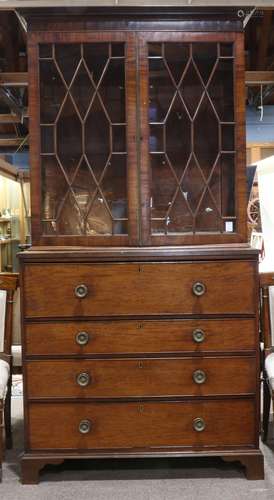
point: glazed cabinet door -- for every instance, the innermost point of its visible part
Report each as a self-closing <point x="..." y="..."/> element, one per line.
<point x="83" y="152"/>
<point x="192" y="129"/>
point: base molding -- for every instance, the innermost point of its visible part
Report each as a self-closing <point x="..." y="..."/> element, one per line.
<point x="33" y="463"/>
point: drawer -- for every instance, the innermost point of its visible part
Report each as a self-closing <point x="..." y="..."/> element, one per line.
<point x="139" y="289"/>
<point x="114" y="337"/>
<point x="141" y="425"/>
<point x="140" y="377"/>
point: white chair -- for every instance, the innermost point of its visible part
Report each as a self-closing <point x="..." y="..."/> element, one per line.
<point x="266" y="287"/>
<point x="8" y="284"/>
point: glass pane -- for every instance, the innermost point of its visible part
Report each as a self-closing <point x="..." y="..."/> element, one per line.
<point x="54" y="188"/>
<point x="45" y="51"/>
<point x="154" y="50"/>
<point x="156" y="138"/>
<point x="191" y="89"/>
<point x="70" y="221"/>
<point x="85" y="178"/>
<point x="228" y="137"/>
<point x="82" y="90"/>
<point x="227" y="162"/>
<point x="112" y="91"/>
<point x="161" y="90"/>
<point x="208" y="219"/>
<point x="99" y="220"/>
<point x="163" y="185"/>
<point x="180" y="219"/>
<point x="221" y="90"/>
<point x="176" y="56"/>
<point x="158" y="226"/>
<point x="190" y="114"/>
<point x="117" y="50"/>
<point x="52" y="91"/>
<point x="178" y="137"/>
<point x="193" y="184"/>
<point x="226" y="49"/>
<point x="205" y="56"/>
<point x="119" y="138"/>
<point x="47" y="139"/>
<point x="206" y="137"/>
<point x="83" y="187"/>
<point x="97" y="138"/>
<point x="114" y="186"/>
<point x="96" y="56"/>
<point x="68" y="57"/>
<point x="69" y="138"/>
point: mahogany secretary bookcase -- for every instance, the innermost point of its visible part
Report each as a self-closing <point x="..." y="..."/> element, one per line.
<point x="140" y="327"/>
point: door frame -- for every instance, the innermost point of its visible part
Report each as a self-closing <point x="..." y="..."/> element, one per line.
<point x="51" y="37"/>
<point x="240" y="235"/>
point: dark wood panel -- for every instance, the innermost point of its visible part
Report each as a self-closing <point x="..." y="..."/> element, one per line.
<point x="190" y="253"/>
<point x="134" y="18"/>
<point x="141" y="377"/>
<point x="133" y="289"/>
<point x="114" y="337"/>
<point x="134" y="425"/>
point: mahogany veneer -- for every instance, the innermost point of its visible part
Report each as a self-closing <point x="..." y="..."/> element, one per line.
<point x="140" y="295"/>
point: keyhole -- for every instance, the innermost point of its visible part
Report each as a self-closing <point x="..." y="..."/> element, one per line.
<point x="141" y="364"/>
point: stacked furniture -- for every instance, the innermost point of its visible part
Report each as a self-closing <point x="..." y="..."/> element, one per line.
<point x="139" y="295"/>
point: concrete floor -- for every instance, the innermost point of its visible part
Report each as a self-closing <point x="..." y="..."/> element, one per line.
<point x="205" y="479"/>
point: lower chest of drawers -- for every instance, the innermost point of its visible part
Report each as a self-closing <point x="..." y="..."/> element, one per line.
<point x="153" y="356"/>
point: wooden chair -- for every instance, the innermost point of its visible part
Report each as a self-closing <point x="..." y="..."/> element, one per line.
<point x="8" y="285"/>
<point x="266" y="281"/>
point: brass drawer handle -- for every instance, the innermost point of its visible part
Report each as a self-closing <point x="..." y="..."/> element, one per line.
<point x="82" y="338"/>
<point x="199" y="424"/>
<point x="83" y="379"/>
<point x="198" y="335"/>
<point x="199" y="288"/>
<point x="81" y="291"/>
<point x="199" y="377"/>
<point x="85" y="426"/>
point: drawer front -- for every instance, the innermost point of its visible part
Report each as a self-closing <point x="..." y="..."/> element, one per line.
<point x="139" y="289"/>
<point x="141" y="425"/>
<point x="141" y="377"/>
<point x="114" y="337"/>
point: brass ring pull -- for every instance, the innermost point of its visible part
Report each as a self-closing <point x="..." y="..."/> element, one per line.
<point x="85" y="426"/>
<point x="82" y="338"/>
<point x="198" y="335"/>
<point x="199" y="424"/>
<point x="81" y="291"/>
<point x="83" y="379"/>
<point x="199" y="288"/>
<point x="199" y="377"/>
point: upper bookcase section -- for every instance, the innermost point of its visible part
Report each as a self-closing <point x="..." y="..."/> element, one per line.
<point x="137" y="127"/>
